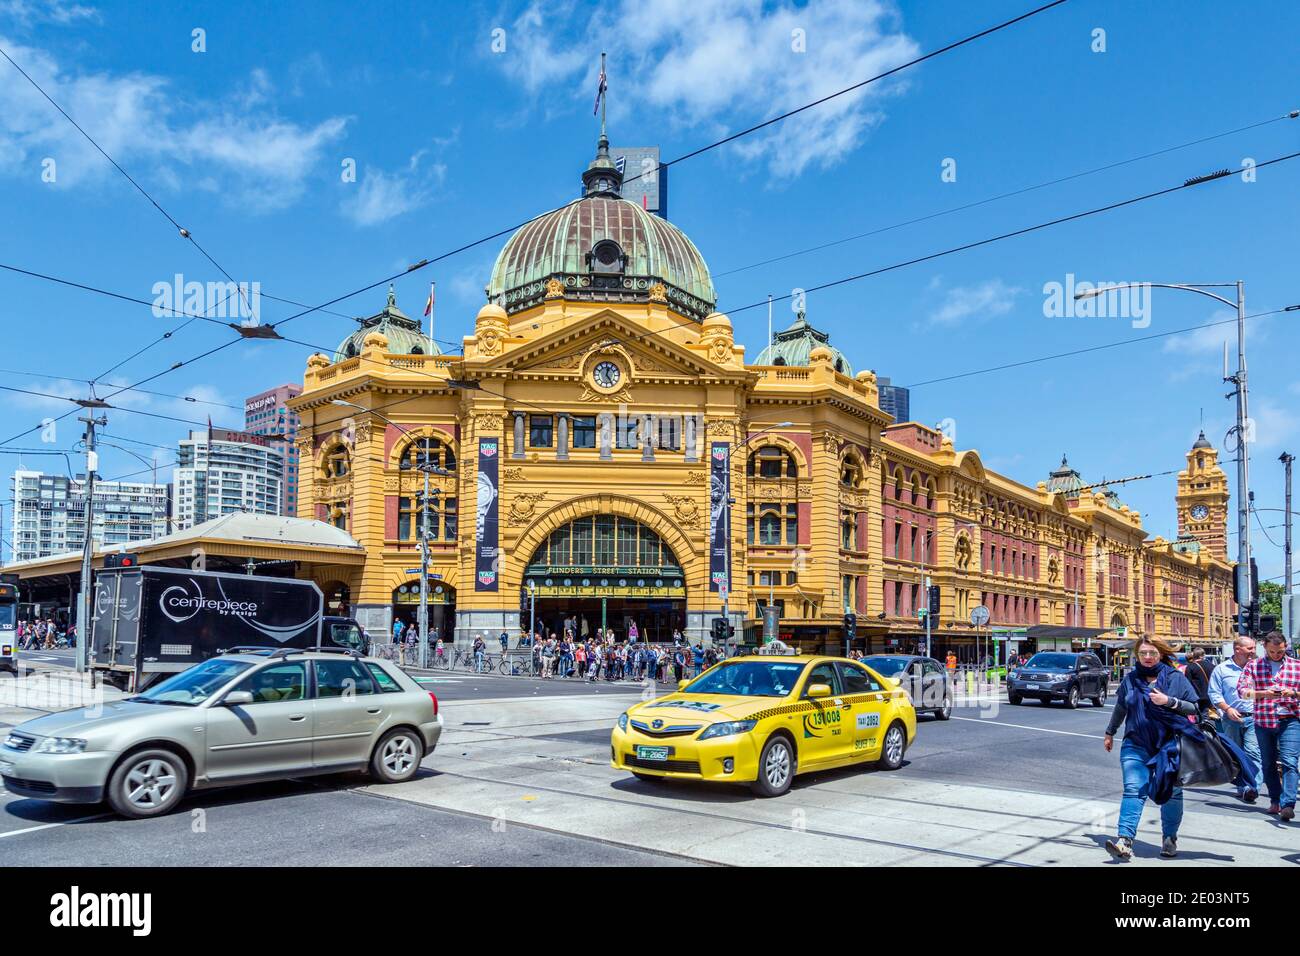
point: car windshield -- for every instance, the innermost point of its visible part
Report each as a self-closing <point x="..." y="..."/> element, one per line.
<point x="1051" y="661"/>
<point x="749" y="679"/>
<point x="886" y="666"/>
<point x="192" y="687"/>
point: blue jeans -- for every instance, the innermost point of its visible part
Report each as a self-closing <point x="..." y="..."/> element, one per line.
<point x="1137" y="781"/>
<point x="1280" y="744"/>
<point x="478" y="661"/>
<point x="1243" y="735"/>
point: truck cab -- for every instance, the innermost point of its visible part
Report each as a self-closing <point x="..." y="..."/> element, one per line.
<point x="343" y="632"/>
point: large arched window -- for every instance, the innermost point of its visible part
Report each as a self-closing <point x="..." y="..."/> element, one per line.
<point x="603" y="541"/>
<point x="338" y="462"/>
<point x="772" y="461"/>
<point x="435" y="450"/>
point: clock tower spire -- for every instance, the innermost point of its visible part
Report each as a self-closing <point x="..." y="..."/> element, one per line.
<point x="1202" y="499"/>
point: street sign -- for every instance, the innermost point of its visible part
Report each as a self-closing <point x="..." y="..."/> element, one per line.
<point x="412" y="570"/>
<point x="1121" y="632"/>
<point x="723" y="590"/>
<point x="979" y="615"/>
<point x="920" y="614"/>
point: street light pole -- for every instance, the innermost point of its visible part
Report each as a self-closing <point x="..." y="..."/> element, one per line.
<point x="1287" y="458"/>
<point x="87" y="597"/>
<point x="1238" y="379"/>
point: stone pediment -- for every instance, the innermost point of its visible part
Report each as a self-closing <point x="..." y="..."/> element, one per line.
<point x="569" y="350"/>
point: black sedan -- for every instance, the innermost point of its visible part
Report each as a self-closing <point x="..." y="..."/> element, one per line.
<point x="1056" y="675"/>
<point x="924" y="679"/>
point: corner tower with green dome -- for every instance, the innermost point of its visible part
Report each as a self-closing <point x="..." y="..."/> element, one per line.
<point x="794" y="346"/>
<point x="404" y="334"/>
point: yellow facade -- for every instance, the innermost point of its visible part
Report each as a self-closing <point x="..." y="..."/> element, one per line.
<point x="829" y="493"/>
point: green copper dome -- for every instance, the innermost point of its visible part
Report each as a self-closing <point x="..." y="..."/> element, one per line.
<point x="405" y="335"/>
<point x="793" y="346"/>
<point x="602" y="248"/>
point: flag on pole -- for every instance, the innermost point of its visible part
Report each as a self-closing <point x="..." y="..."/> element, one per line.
<point x="600" y="89"/>
<point x="428" y="306"/>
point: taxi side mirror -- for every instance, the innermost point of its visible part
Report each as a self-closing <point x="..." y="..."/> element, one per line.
<point x="819" y="690"/>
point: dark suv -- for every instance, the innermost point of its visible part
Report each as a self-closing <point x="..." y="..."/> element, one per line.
<point x="1056" y="675"/>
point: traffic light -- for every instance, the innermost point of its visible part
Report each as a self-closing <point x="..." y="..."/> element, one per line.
<point x="1267" y="624"/>
<point x="850" y="626"/>
<point x="120" y="559"/>
<point x="1252" y="619"/>
<point x="719" y="630"/>
<point x="934" y="600"/>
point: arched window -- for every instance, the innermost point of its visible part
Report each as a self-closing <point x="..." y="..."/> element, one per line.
<point x="963" y="553"/>
<point x="338" y="462"/>
<point x="850" y="474"/>
<point x="603" y="541"/>
<point x="434" y="450"/>
<point x="772" y="461"/>
<point x="898" y="484"/>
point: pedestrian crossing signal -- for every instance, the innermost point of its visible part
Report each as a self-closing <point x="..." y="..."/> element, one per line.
<point x="119" y="559"/>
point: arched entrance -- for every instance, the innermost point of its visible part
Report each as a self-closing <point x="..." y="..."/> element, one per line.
<point x="442" y="606"/>
<point x="605" y="571"/>
<point x="338" y="598"/>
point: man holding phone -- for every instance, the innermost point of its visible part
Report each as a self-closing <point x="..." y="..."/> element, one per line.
<point x="1273" y="683"/>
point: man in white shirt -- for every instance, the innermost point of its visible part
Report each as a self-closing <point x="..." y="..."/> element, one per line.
<point x="1238" y="713"/>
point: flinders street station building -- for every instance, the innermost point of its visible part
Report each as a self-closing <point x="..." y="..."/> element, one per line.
<point x="604" y="449"/>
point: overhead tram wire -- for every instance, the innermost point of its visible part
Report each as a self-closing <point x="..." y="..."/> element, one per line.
<point x="1097" y="348"/>
<point x="1007" y="195"/>
<point x="144" y="391"/>
<point x="181" y="230"/>
<point x="415" y="267"/>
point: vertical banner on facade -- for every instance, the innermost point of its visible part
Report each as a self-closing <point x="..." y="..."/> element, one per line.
<point x="719" y="493"/>
<point x="486" y="548"/>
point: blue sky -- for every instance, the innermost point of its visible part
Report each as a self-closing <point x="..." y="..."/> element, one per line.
<point x="454" y="138"/>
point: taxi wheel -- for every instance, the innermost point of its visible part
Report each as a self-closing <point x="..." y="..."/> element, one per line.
<point x="892" y="750"/>
<point x="775" y="767"/>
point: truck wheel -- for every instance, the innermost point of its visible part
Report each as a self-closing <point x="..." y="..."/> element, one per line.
<point x="397" y="756"/>
<point x="148" y="783"/>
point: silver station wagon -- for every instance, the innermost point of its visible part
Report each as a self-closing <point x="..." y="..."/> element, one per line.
<point x="251" y="715"/>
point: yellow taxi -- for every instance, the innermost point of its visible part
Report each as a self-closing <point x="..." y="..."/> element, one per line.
<point x="762" y="719"/>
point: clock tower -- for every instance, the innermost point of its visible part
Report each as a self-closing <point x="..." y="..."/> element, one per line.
<point x="1202" y="499"/>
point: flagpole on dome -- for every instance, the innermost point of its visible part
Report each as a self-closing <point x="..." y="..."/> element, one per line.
<point x="428" y="310"/>
<point x="602" y="87"/>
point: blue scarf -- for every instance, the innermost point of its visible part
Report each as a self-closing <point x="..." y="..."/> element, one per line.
<point x="1158" y="730"/>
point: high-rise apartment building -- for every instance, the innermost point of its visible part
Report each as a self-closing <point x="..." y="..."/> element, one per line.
<point x="50" y="513"/>
<point x="220" y="472"/>
<point x="265" y="414"/>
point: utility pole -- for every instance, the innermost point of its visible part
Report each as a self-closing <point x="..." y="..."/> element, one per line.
<point x="87" y="591"/>
<point x="1238" y="379"/>
<point x="424" y="569"/>
<point x="1286" y="458"/>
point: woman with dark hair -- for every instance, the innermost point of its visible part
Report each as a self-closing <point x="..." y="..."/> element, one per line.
<point x="1151" y="698"/>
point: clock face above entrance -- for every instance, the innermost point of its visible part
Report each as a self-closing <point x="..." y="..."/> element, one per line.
<point x="1200" y="512"/>
<point x="606" y="375"/>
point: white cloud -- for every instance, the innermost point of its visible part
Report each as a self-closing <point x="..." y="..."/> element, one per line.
<point x="1275" y="424"/>
<point x="380" y="196"/>
<point x="724" y="64"/>
<point x="240" y="148"/>
<point x="27" y="13"/>
<point x="975" y="302"/>
<point x="1209" y="338"/>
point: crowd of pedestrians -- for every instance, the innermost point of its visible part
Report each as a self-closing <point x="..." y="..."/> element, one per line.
<point x="45" y="635"/>
<point x="1249" y="704"/>
<point x="600" y="655"/>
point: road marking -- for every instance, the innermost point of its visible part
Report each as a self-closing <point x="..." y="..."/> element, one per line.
<point x="1046" y="730"/>
<point x="46" y="826"/>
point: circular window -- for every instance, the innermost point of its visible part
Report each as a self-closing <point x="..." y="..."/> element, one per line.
<point x="607" y="252"/>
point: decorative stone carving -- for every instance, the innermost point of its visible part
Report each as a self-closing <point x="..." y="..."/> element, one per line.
<point x="489" y="342"/>
<point x="687" y="511"/>
<point x="720" y="351"/>
<point x="554" y="288"/>
<point x="805" y="489"/>
<point x="621" y="397"/>
<point x="393" y="484"/>
<point x="561" y="363"/>
<point x="514" y="474"/>
<point x="658" y="292"/>
<point x="722" y="428"/>
<point x="695" y="478"/>
<point x="522" y="507"/>
<point x="487" y="422"/>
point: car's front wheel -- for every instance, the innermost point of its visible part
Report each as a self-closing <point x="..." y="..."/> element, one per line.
<point x="397" y="756"/>
<point x="149" y="783"/>
<point x="1015" y="699"/>
<point x="775" y="768"/>
<point x="892" y="750"/>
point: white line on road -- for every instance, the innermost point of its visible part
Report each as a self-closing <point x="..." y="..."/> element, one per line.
<point x="46" y="826"/>
<point x="1046" y="730"/>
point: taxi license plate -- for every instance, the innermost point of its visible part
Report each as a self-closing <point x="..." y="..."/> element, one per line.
<point x="653" y="753"/>
<point x="1031" y="687"/>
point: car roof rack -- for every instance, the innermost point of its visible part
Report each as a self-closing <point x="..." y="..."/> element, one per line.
<point x="250" y="649"/>
<point x="351" y="652"/>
